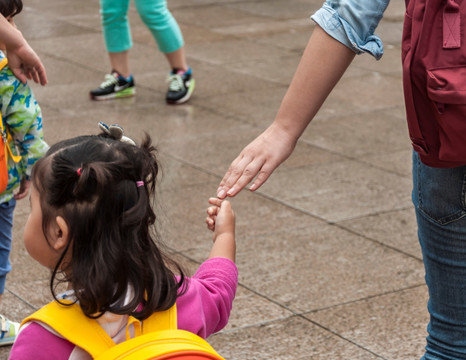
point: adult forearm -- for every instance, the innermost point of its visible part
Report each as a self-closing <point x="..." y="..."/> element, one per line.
<point x="322" y="65"/>
<point x="9" y="35"/>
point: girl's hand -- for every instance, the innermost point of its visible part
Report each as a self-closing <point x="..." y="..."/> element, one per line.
<point x="221" y="220"/>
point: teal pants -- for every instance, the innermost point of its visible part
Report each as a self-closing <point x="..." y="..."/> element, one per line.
<point x="154" y="14"/>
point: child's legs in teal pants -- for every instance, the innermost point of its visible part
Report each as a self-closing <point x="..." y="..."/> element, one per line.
<point x="154" y="14"/>
<point x="115" y="25"/>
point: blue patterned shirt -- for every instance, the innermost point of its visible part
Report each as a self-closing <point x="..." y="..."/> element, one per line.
<point x="23" y="118"/>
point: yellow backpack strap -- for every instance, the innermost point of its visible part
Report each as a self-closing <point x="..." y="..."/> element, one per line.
<point x="4" y="131"/>
<point x="7" y="138"/>
<point x="3" y="63"/>
<point x="164" y="320"/>
<point x="16" y="158"/>
<point x="71" y="323"/>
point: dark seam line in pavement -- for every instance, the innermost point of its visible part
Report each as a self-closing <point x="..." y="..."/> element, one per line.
<point x="299" y="313"/>
<point x="363" y="299"/>
<point x="331" y="223"/>
<point x="22" y="299"/>
<point x="377" y="242"/>
<point x="343" y="338"/>
<point x="265" y="323"/>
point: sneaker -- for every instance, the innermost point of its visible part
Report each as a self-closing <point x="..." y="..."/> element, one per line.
<point x="9" y="331"/>
<point x="114" y="86"/>
<point x="180" y="86"/>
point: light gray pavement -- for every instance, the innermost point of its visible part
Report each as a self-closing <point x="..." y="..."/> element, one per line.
<point x="328" y="257"/>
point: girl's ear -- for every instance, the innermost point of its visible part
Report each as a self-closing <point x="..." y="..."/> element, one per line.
<point x="61" y="233"/>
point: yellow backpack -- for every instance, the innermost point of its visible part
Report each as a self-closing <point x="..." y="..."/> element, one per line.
<point x="5" y="150"/>
<point x="159" y="338"/>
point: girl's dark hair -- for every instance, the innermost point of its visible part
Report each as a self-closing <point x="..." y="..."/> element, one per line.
<point x="115" y="264"/>
<point x="10" y="7"/>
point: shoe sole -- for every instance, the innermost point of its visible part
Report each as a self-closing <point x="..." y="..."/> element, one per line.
<point x="122" y="94"/>
<point x="186" y="97"/>
<point x="6" y="343"/>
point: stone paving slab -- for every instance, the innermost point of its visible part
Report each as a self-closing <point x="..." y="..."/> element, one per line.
<point x="328" y="259"/>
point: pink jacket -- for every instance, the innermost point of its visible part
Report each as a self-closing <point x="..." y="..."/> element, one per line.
<point x="203" y="309"/>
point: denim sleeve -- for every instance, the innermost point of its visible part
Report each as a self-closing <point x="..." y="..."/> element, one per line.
<point x="353" y="22"/>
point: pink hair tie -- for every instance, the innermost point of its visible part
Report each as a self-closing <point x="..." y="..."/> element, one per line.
<point x="139" y="183"/>
<point x="79" y="171"/>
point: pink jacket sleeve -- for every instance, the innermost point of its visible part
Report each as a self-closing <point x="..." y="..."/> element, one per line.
<point x="35" y="342"/>
<point x="205" y="307"/>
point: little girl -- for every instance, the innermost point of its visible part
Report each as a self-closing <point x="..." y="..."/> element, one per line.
<point x="91" y="223"/>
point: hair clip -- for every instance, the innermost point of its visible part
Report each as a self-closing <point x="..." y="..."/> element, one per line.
<point x="139" y="183"/>
<point x="116" y="132"/>
<point x="79" y="171"/>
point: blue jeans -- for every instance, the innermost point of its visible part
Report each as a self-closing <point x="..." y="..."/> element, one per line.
<point x="439" y="197"/>
<point x="6" y="234"/>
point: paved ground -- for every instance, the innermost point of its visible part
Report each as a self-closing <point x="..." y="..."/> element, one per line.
<point x="327" y="252"/>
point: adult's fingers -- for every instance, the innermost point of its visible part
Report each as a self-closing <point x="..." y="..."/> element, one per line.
<point x="262" y="177"/>
<point x="233" y="173"/>
<point x="240" y="176"/>
<point x="40" y="75"/>
<point x="19" y="73"/>
<point x="32" y="74"/>
<point x="249" y="173"/>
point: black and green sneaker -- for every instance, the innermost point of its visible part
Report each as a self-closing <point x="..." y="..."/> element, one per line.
<point x="180" y="86"/>
<point x="114" y="86"/>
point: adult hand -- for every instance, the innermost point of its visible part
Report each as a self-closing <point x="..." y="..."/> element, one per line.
<point x="25" y="63"/>
<point x="261" y="157"/>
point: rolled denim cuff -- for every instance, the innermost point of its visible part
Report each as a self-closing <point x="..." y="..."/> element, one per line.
<point x="338" y="28"/>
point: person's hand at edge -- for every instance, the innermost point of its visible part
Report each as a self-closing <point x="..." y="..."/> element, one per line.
<point x="26" y="64"/>
<point x="22" y="59"/>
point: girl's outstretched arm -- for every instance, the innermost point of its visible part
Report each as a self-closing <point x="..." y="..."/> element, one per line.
<point x="221" y="220"/>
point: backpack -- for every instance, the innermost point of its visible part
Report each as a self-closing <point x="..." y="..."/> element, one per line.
<point x="5" y="150"/>
<point x="159" y="337"/>
<point x="434" y="80"/>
